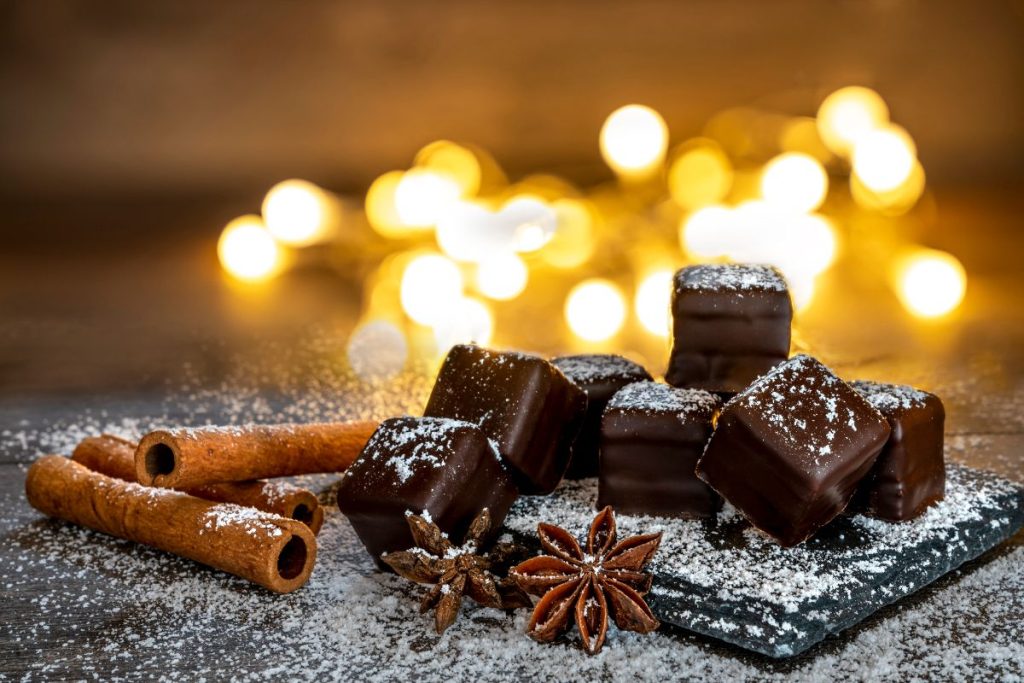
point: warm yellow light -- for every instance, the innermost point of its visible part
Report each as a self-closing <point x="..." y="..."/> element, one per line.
<point x="708" y="232"/>
<point x="430" y="285"/>
<point x="595" y="310"/>
<point x="800" y="134"/>
<point x="423" y="195"/>
<point x="465" y="321"/>
<point x="652" y="301"/>
<point x="246" y="250"/>
<point x="931" y="283"/>
<point x="453" y="161"/>
<point x="810" y="246"/>
<point x="297" y="212"/>
<point x="794" y="181"/>
<point x="377" y="350"/>
<point x="633" y="140"/>
<point x="884" y="159"/>
<point x="573" y="242"/>
<point x="894" y="202"/>
<point x="701" y="174"/>
<point x="848" y="114"/>
<point x="501" y="277"/>
<point x="471" y="231"/>
<point x="801" y="291"/>
<point x="380" y="206"/>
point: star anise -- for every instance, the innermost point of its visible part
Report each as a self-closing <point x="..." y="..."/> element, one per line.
<point x="585" y="587"/>
<point x="456" y="571"/>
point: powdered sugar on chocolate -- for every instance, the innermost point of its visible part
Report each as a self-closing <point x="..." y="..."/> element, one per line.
<point x="596" y="367"/>
<point x="656" y="397"/>
<point x="734" y="277"/>
<point x="890" y="397"/>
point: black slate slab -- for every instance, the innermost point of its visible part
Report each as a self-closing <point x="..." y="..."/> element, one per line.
<point x="724" y="579"/>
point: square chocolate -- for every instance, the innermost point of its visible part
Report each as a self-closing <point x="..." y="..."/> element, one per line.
<point x="599" y="376"/>
<point x="730" y="325"/>
<point x="790" y="450"/>
<point x="910" y="473"/>
<point x="447" y="469"/>
<point x="522" y="402"/>
<point x="651" y="438"/>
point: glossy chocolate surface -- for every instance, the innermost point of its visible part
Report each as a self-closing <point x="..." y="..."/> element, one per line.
<point x="730" y="325"/>
<point x="446" y="467"/>
<point x="790" y="450"/>
<point x="910" y="473"/>
<point x="651" y="438"/>
<point x="599" y="376"/>
<point x="522" y="402"/>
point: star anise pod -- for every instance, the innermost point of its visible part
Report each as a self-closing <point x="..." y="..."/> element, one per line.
<point x="455" y="571"/>
<point x="587" y="586"/>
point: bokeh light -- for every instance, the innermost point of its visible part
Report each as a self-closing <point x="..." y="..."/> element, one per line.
<point x="422" y="196"/>
<point x="247" y="250"/>
<point x="471" y="231"/>
<point x="707" y="232"/>
<point x="633" y="140"/>
<point x="794" y="181"/>
<point x="848" y="114"/>
<point x="297" y="212"/>
<point x="894" y="202"/>
<point x="574" y="240"/>
<point x="883" y="159"/>
<point x="930" y="283"/>
<point x="700" y="174"/>
<point x="377" y="350"/>
<point x="431" y="284"/>
<point x="501" y="277"/>
<point x="595" y="310"/>
<point x="652" y="302"/>
<point x="465" y="321"/>
<point x="452" y="161"/>
<point x="381" y="212"/>
<point x="800" y="134"/>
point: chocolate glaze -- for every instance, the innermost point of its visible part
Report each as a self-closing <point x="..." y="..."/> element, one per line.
<point x="522" y="402"/>
<point x="790" y="450"/>
<point x="651" y="437"/>
<point x="910" y="473"/>
<point x="446" y="467"/>
<point x="731" y="324"/>
<point x="599" y="376"/>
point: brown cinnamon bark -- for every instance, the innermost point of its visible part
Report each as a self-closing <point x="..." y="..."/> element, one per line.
<point x="269" y="550"/>
<point x="115" y="457"/>
<point x="184" y="458"/>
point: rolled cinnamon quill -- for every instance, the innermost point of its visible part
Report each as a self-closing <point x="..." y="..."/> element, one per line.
<point x="115" y="457"/>
<point x="269" y="550"/>
<point x="184" y="458"/>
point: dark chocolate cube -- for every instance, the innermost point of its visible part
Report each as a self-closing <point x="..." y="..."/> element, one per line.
<point x="651" y="438"/>
<point x="599" y="376"/>
<point x="791" y="449"/>
<point x="522" y="402"/>
<point x="910" y="473"/>
<point x="447" y="468"/>
<point x="730" y="325"/>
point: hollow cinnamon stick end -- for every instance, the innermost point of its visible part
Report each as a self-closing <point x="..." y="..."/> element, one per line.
<point x="290" y="566"/>
<point x="157" y="460"/>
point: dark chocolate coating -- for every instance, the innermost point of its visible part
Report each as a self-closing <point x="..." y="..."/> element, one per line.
<point x="730" y="325"/>
<point x="599" y="376"/>
<point x="651" y="438"/>
<point x="790" y="450"/>
<point x="446" y="467"/>
<point x="522" y="402"/>
<point x="910" y="473"/>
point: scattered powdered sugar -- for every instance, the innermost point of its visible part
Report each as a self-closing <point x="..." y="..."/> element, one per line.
<point x="731" y="277"/>
<point x="656" y="397"/>
<point x="598" y="367"/>
<point x="887" y="398"/>
<point x="410" y="444"/>
<point x="255" y="522"/>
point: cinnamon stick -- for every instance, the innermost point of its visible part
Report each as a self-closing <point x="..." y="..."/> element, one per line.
<point x="269" y="550"/>
<point x="183" y="458"/>
<point x="115" y="457"/>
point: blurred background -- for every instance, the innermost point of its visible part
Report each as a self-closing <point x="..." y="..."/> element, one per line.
<point x="525" y="175"/>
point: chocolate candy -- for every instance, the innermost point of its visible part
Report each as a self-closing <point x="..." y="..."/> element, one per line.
<point x="599" y="376"/>
<point x="446" y="469"/>
<point x="522" y="402"/>
<point x="651" y="437"/>
<point x="731" y="324"/>
<point x="910" y="473"/>
<point x="790" y="450"/>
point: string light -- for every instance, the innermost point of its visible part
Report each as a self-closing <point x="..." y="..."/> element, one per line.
<point x="700" y="174"/>
<point x="466" y="321"/>
<point x="931" y="283"/>
<point x="633" y="140"/>
<point x="422" y="196"/>
<point x="652" y="301"/>
<point x="377" y="350"/>
<point x="247" y="250"/>
<point x="501" y="277"/>
<point x="430" y="285"/>
<point x="297" y="212"/>
<point x="848" y="114"/>
<point x="794" y="181"/>
<point x="595" y="310"/>
<point x="883" y="159"/>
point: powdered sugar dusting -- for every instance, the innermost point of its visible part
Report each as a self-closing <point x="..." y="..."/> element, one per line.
<point x="733" y="277"/>
<point x="890" y="397"/>
<point x="254" y="522"/>
<point x="596" y="367"/>
<point x="656" y="397"/>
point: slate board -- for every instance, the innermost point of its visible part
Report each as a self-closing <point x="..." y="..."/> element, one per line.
<point x="723" y="579"/>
